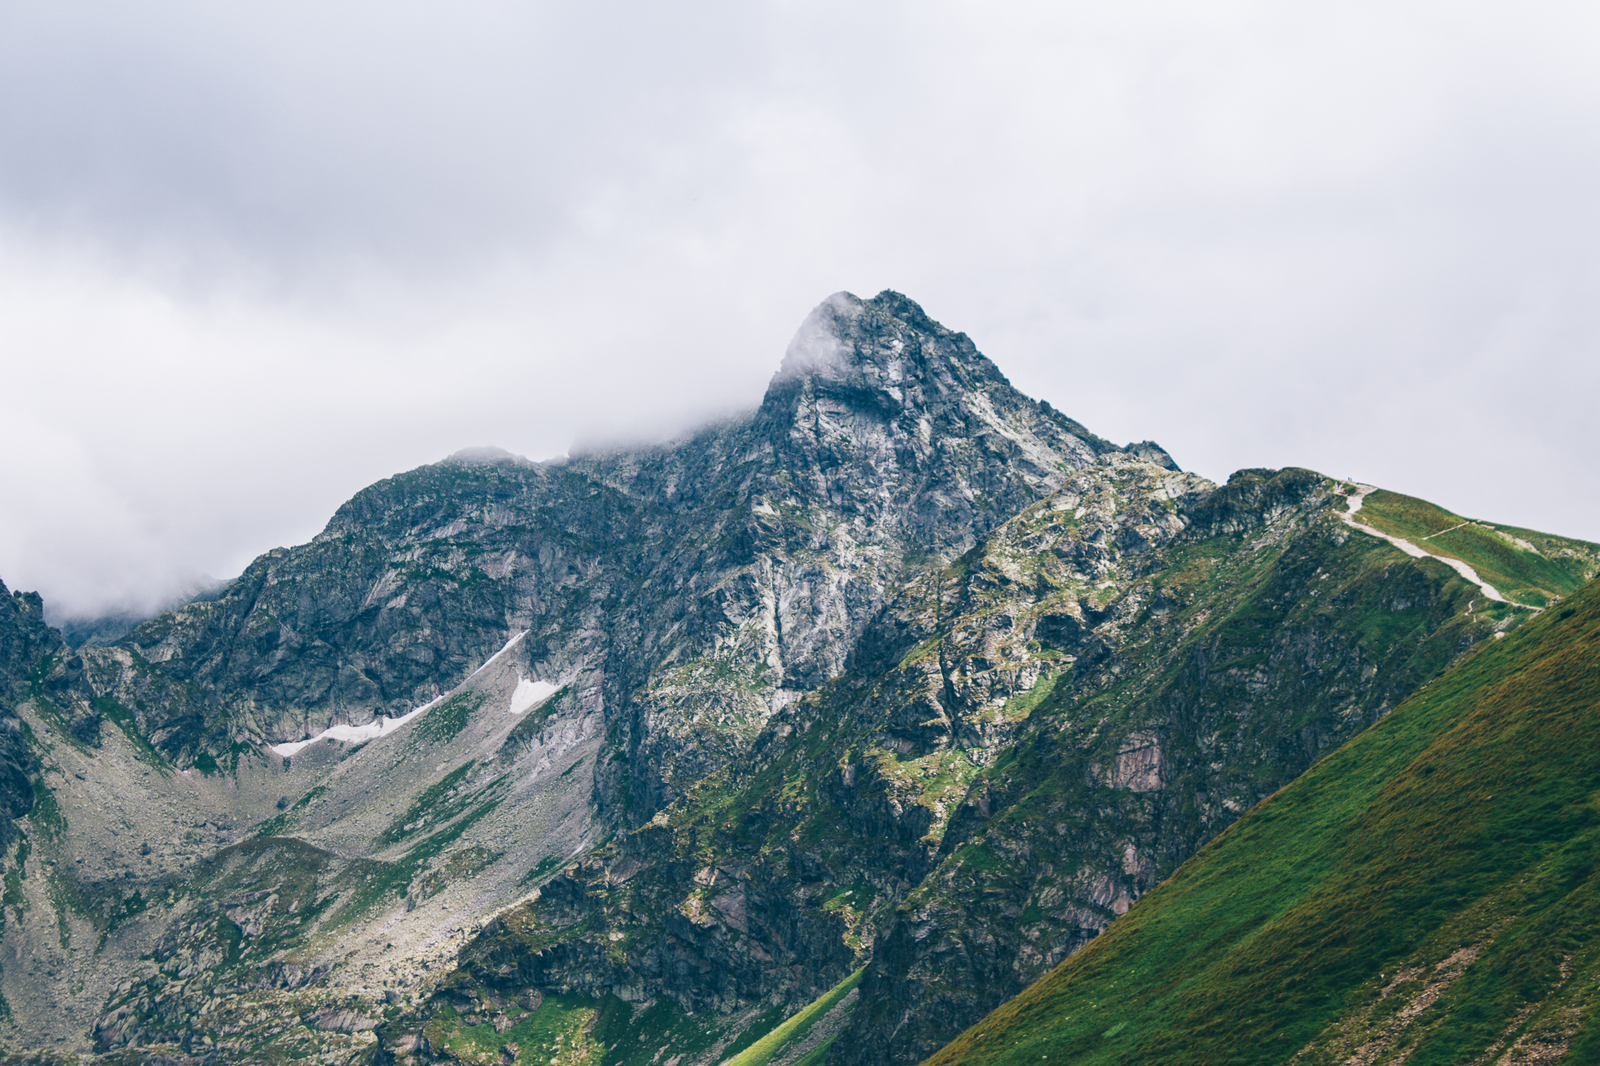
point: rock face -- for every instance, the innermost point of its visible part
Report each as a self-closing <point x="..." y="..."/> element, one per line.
<point x="413" y="583"/>
<point x="903" y="678"/>
<point x="677" y="596"/>
<point x="24" y="642"/>
<point x="36" y="666"/>
<point x="885" y="440"/>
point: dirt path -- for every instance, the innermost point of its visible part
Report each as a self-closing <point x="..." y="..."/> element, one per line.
<point x="1442" y="532"/>
<point x="1353" y="504"/>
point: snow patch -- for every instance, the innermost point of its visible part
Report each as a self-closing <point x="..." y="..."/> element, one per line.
<point x="530" y="694"/>
<point x="379" y="726"/>
<point x="527" y="695"/>
<point x="509" y="645"/>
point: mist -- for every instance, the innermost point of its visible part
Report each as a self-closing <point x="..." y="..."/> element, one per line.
<point x="254" y="260"/>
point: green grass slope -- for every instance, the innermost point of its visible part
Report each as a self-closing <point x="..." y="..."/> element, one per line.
<point x="1430" y="892"/>
<point x="1528" y="567"/>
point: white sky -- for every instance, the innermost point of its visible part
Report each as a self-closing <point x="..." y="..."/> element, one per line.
<point x="255" y="257"/>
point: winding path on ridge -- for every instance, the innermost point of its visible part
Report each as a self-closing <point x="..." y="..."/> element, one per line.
<point x="1353" y="504"/>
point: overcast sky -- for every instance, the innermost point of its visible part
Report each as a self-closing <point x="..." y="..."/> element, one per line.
<point x="255" y="257"/>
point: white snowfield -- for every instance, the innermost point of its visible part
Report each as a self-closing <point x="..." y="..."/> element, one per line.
<point x="1353" y="504"/>
<point x="384" y="725"/>
<point x="509" y="645"/>
<point x="354" y="733"/>
<point x="530" y="694"/>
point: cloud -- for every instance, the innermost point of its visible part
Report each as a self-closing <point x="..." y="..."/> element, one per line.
<point x="816" y="344"/>
<point x="251" y="260"/>
<point x="296" y="136"/>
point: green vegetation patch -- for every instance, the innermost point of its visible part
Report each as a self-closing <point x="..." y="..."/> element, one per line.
<point x="534" y="719"/>
<point x="639" y="1036"/>
<point x="52" y="715"/>
<point x="579" y="1031"/>
<point x="1022" y="704"/>
<point x="14" y="899"/>
<point x="437" y="803"/>
<point x="476" y="1027"/>
<point x="558" y="1032"/>
<point x="275" y="825"/>
<point x="46" y="815"/>
<point x="441" y="724"/>
<point x="546" y="865"/>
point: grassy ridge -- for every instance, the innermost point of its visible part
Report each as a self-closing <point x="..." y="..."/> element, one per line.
<point x="1528" y="567"/>
<point x="1431" y="888"/>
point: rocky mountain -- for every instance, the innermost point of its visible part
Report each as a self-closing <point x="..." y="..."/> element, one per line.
<point x="1026" y="742"/>
<point x="1426" y="894"/>
<point x="852" y="715"/>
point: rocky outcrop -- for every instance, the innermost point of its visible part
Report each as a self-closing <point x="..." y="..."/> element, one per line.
<point x="35" y="665"/>
<point x="23" y="643"/>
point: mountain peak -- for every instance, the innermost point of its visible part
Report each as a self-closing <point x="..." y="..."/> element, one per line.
<point x="879" y="377"/>
<point x="819" y="344"/>
<point x="845" y="337"/>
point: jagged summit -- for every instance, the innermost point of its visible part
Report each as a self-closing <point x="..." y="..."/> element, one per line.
<point x="886" y="345"/>
<point x="888" y="410"/>
<point x="1151" y="452"/>
<point x="884" y="360"/>
<point x="818" y="346"/>
<point x="883" y="434"/>
<point x="843" y="335"/>
<point x="884" y="418"/>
